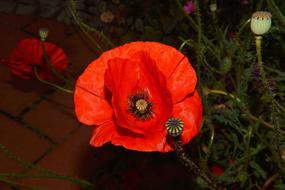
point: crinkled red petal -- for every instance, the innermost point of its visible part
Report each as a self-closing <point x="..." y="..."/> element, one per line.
<point x="127" y="77"/>
<point x="29" y="53"/>
<point x="190" y="111"/>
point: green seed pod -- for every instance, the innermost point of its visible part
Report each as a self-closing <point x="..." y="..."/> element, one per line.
<point x="174" y="127"/>
<point x="226" y="65"/>
<point x="260" y="22"/>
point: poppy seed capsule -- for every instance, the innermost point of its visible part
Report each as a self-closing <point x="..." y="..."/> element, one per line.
<point x="260" y="22"/>
<point x="213" y="7"/>
<point x="174" y="127"/>
<point x="43" y="33"/>
<point x="141" y="105"/>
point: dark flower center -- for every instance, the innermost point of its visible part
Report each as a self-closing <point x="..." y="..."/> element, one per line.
<point x="140" y="107"/>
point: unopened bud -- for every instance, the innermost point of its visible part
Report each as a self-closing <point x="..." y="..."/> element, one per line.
<point x="213" y="7"/>
<point x="43" y="32"/>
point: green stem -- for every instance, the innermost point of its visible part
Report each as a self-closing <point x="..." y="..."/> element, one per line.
<point x="277" y="12"/>
<point x="190" y="165"/>
<point x="242" y="28"/>
<point x="192" y="22"/>
<point x="84" y="26"/>
<point x="51" y="84"/>
<point x="47" y="175"/>
<point x="259" y="55"/>
<point x="47" y="61"/>
<point x="42" y="171"/>
<point x="247" y="148"/>
<point x="224" y="93"/>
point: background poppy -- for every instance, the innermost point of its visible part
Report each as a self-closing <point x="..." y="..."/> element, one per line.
<point x="28" y="53"/>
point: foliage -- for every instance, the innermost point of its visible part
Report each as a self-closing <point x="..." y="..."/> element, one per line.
<point x="244" y="119"/>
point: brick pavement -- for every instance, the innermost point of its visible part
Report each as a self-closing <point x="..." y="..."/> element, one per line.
<point x="37" y="123"/>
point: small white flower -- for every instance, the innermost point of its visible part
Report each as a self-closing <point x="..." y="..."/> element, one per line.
<point x="260" y="22"/>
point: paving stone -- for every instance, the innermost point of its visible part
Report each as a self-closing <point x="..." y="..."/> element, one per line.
<point x="25" y="8"/>
<point x="8" y="165"/>
<point x="48" y="12"/>
<point x="75" y="157"/>
<point x="28" y="90"/>
<point x="53" y="3"/>
<point x="53" y="118"/>
<point x="21" y="142"/>
<point x="7" y="6"/>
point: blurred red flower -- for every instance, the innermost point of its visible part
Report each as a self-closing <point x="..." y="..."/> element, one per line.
<point x="217" y="170"/>
<point x="129" y="93"/>
<point x="28" y="53"/>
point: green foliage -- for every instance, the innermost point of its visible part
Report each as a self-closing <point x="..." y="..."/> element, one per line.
<point x="244" y="118"/>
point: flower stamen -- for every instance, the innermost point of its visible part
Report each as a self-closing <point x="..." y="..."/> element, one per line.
<point x="140" y="107"/>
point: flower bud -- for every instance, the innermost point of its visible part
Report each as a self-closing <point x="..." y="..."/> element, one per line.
<point x="43" y="32"/>
<point x="213" y="7"/>
<point x="260" y="22"/>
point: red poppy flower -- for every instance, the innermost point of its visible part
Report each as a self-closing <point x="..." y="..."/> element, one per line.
<point x="129" y="92"/>
<point x="28" y="53"/>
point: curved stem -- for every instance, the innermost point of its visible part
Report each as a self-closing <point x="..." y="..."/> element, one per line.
<point x="224" y="93"/>
<point x="190" y="165"/>
<point x="242" y="28"/>
<point x="51" y="84"/>
<point x="46" y="59"/>
<point x="84" y="26"/>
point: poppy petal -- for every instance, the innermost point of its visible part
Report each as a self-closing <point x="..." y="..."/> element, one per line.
<point x="91" y="105"/>
<point x="28" y="53"/>
<point x="103" y="134"/>
<point x="142" y="76"/>
<point x="181" y="77"/>
<point x="190" y="111"/>
<point x="91" y="108"/>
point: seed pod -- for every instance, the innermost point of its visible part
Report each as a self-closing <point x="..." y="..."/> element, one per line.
<point x="260" y="22"/>
<point x="174" y="127"/>
<point x="43" y="33"/>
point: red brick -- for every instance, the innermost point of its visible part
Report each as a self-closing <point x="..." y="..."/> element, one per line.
<point x="54" y="118"/>
<point x="75" y="157"/>
<point x="64" y="99"/>
<point x="4" y="186"/>
<point x="8" y="165"/>
<point x="17" y="94"/>
<point x="21" y="142"/>
<point x="79" y="53"/>
<point x="57" y="31"/>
